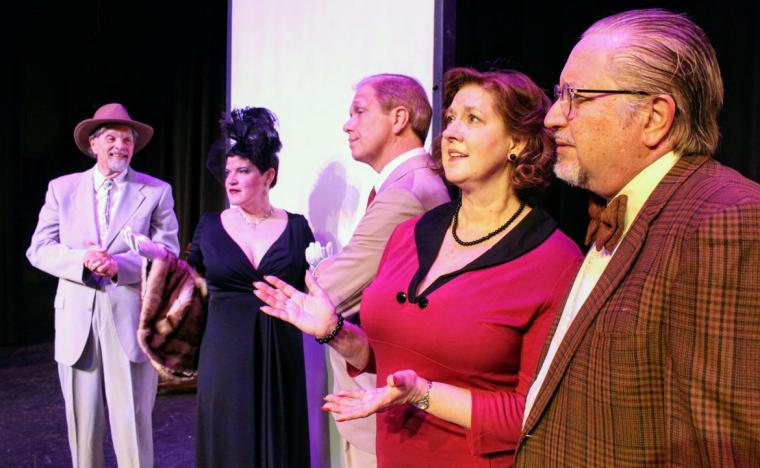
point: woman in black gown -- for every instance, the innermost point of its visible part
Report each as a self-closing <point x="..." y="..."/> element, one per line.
<point x="251" y="387"/>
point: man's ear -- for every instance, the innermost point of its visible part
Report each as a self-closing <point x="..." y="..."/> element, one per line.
<point x="660" y="116"/>
<point x="400" y="117"/>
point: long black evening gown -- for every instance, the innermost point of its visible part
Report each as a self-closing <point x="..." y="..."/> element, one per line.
<point x="251" y="387"/>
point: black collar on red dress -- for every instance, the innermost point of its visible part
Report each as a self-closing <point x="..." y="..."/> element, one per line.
<point x="430" y="230"/>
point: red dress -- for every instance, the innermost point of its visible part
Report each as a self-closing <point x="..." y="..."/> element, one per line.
<point x="482" y="328"/>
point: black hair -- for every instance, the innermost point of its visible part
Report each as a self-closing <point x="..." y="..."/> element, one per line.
<point x="251" y="133"/>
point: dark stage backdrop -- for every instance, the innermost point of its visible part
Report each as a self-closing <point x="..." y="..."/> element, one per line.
<point x="166" y="61"/>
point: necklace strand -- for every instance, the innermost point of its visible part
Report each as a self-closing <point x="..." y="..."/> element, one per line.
<point x="455" y="224"/>
<point x="255" y="222"/>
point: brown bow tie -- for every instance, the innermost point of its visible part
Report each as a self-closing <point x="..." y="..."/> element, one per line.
<point x="607" y="223"/>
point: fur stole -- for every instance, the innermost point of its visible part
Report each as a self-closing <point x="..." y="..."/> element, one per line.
<point x="172" y="316"/>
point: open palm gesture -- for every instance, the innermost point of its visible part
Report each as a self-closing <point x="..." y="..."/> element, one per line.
<point x="312" y="313"/>
<point x="402" y="387"/>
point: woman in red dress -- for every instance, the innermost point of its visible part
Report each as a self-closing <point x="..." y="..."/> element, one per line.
<point x="465" y="294"/>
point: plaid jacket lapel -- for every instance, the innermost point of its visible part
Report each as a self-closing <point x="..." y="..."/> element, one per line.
<point x="616" y="271"/>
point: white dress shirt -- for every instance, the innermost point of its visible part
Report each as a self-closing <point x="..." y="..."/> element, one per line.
<point x="638" y="190"/>
<point x="396" y="162"/>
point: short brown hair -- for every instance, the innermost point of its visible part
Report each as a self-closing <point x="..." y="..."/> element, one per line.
<point x="522" y="106"/>
<point x="394" y="90"/>
<point x="665" y="52"/>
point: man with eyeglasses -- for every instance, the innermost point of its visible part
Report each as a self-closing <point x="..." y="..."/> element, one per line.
<point x="653" y="361"/>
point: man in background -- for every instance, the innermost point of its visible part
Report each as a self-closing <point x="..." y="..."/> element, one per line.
<point x="97" y="304"/>
<point x="389" y="121"/>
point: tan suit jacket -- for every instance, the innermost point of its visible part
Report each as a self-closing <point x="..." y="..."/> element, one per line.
<point x="59" y="243"/>
<point x="659" y="367"/>
<point x="411" y="189"/>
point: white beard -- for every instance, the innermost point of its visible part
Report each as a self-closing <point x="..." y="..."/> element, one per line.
<point x="572" y="173"/>
<point x="117" y="164"/>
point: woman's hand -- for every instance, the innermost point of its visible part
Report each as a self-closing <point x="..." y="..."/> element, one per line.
<point x="312" y="313"/>
<point x="404" y="387"/>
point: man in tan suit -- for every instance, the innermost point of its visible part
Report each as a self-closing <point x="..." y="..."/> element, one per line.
<point x="653" y="361"/>
<point x="389" y="120"/>
<point x="97" y="304"/>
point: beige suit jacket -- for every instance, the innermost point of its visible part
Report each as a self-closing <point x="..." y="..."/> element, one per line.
<point x="59" y="244"/>
<point x="411" y="189"/>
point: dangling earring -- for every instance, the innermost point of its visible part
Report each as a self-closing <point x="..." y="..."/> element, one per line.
<point x="512" y="157"/>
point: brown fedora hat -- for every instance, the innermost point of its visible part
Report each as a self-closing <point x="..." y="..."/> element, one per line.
<point x="110" y="113"/>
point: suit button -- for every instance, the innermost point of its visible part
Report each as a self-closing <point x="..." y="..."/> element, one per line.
<point x="422" y="302"/>
<point x="401" y="297"/>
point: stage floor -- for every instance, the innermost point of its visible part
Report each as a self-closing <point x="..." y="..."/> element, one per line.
<point x="33" y="422"/>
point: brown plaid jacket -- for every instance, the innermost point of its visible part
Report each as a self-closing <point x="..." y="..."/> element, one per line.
<point x="661" y="366"/>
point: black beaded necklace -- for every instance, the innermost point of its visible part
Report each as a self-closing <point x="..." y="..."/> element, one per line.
<point x="455" y="224"/>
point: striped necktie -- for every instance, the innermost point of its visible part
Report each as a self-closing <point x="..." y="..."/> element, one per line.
<point x="108" y="185"/>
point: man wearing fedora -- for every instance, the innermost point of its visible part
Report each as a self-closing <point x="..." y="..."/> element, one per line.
<point x="97" y="304"/>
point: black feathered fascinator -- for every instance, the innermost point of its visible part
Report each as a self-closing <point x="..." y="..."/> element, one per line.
<point x="250" y="133"/>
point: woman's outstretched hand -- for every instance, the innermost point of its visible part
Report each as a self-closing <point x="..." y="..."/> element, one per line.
<point x="403" y="387"/>
<point x="312" y="313"/>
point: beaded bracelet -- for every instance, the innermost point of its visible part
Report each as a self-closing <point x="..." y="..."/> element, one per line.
<point x="333" y="334"/>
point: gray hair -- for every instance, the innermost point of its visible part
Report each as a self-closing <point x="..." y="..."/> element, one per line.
<point x="665" y="52"/>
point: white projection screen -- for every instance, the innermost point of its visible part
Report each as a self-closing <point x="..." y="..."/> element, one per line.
<point x="301" y="59"/>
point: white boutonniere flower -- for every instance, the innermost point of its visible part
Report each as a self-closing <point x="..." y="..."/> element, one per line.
<point x="316" y="252"/>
